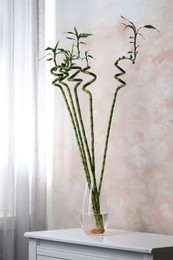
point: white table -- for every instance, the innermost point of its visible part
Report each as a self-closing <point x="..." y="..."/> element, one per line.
<point x="74" y="244"/>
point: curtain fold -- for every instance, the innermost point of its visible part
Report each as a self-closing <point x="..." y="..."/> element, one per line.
<point x="23" y="169"/>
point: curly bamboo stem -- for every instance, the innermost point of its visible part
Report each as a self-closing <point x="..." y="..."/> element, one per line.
<point x="79" y="81"/>
<point x="75" y="127"/>
<point x="122" y="72"/>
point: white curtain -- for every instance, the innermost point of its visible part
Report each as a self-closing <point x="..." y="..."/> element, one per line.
<point x="23" y="129"/>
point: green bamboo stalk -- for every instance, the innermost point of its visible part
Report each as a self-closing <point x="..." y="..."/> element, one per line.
<point x="132" y="57"/>
<point x="122" y="72"/>
<point x="54" y="82"/>
<point x="95" y="199"/>
<point x="95" y="194"/>
<point x="65" y="75"/>
<point x="84" y="88"/>
<point x="94" y="77"/>
<point x="75" y="117"/>
<point x="79" y="81"/>
<point x="62" y="76"/>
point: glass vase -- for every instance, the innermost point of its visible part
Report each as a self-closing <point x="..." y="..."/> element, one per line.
<point x="94" y="215"/>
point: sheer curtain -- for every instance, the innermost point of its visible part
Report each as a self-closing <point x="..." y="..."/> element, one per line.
<point x="23" y="125"/>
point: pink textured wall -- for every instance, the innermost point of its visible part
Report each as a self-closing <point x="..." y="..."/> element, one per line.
<point x="139" y="169"/>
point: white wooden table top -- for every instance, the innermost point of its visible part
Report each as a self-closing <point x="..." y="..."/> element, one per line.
<point x="114" y="239"/>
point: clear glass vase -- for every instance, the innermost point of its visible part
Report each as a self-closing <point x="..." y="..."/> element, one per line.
<point x="94" y="215"/>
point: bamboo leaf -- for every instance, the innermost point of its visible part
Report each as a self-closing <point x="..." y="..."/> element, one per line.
<point x="128" y="26"/>
<point x="70" y="38"/>
<point x="123" y="18"/>
<point x="141" y="35"/>
<point x="90" y="56"/>
<point x="56" y="45"/>
<point x="127" y="20"/>
<point x="84" y="35"/>
<point x="148" y="26"/>
<point x="71" y="33"/>
<point x="49" y="59"/>
<point x="83" y="43"/>
<point x="62" y="50"/>
<point x="49" y="49"/>
<point x="76" y="32"/>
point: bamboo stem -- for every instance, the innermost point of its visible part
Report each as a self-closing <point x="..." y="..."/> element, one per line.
<point x="79" y="81"/>
<point x="122" y="72"/>
<point x="84" y="162"/>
